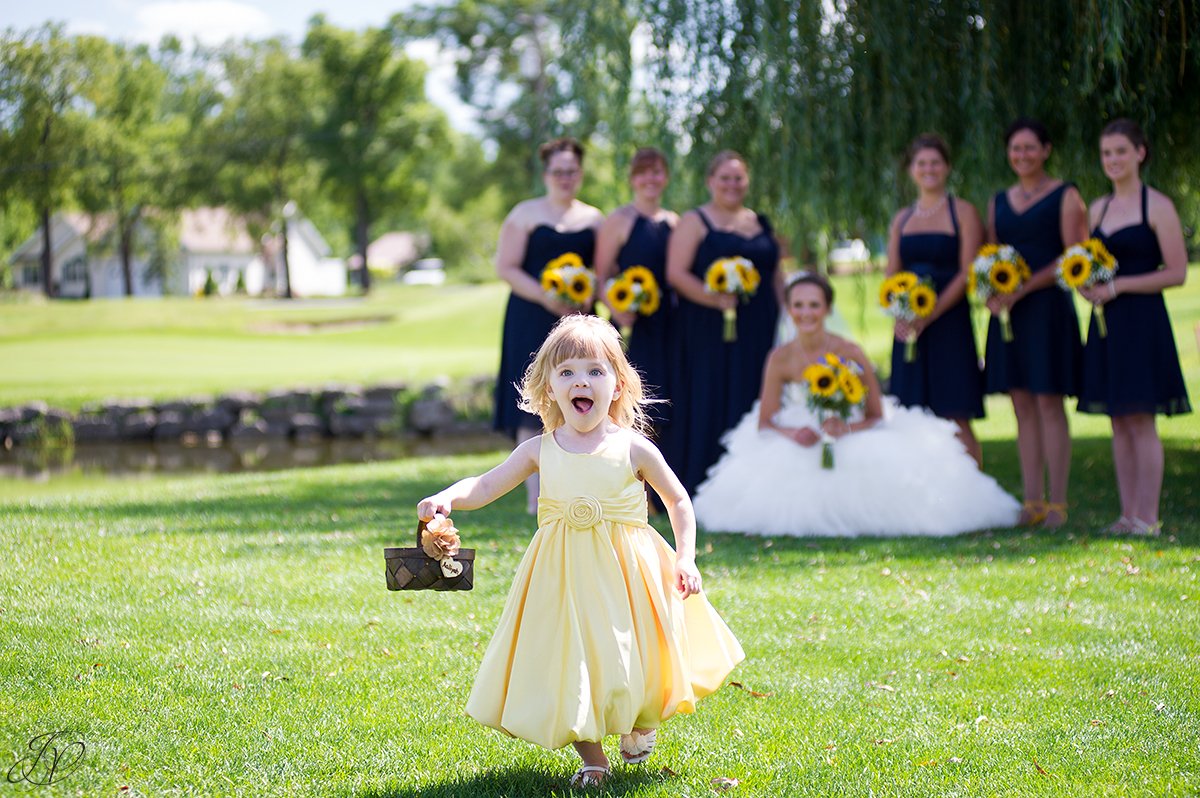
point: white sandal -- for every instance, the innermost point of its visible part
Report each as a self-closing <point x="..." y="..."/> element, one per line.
<point x="636" y="746"/>
<point x="590" y="776"/>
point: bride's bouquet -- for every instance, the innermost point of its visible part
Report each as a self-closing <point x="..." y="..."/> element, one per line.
<point x="567" y="279"/>
<point x="636" y="290"/>
<point x="1084" y="265"/>
<point x="735" y="276"/>
<point x="998" y="269"/>
<point x="835" y="388"/>
<point x="906" y="297"/>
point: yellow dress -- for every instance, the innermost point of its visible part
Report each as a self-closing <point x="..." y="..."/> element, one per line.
<point x="594" y="638"/>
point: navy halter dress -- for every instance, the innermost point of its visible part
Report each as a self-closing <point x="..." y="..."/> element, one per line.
<point x="526" y="324"/>
<point x="945" y="375"/>
<point x="1045" y="355"/>
<point x="715" y="382"/>
<point x="1135" y="368"/>
<point x="648" y="347"/>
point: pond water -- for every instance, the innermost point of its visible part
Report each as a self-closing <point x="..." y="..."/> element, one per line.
<point x="140" y="459"/>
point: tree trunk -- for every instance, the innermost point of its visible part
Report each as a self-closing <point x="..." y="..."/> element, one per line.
<point x="283" y="254"/>
<point x="361" y="227"/>
<point x="127" y="258"/>
<point x="47" y="255"/>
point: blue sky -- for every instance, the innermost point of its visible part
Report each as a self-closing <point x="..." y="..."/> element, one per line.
<point x="213" y="21"/>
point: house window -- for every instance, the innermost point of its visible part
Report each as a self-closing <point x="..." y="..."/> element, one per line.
<point x="75" y="271"/>
<point x="31" y="275"/>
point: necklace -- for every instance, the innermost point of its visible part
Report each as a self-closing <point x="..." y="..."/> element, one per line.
<point x="1030" y="194"/>
<point x="925" y="213"/>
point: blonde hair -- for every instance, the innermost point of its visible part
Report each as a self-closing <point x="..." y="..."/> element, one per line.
<point x="581" y="336"/>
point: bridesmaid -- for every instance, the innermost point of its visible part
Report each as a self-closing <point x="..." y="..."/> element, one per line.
<point x="535" y="232"/>
<point x="937" y="237"/>
<point x="1040" y="216"/>
<point x="636" y="235"/>
<point x="1133" y="373"/>
<point x="715" y="382"/>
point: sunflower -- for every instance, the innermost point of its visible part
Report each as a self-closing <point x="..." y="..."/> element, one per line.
<point x="821" y="379"/>
<point x="1075" y="270"/>
<point x="747" y="274"/>
<point x="552" y="281"/>
<point x="640" y="275"/>
<point x="905" y="281"/>
<point x="852" y="387"/>
<point x="579" y="287"/>
<point x="833" y="360"/>
<point x="923" y="298"/>
<point x="651" y="297"/>
<point x="564" y="260"/>
<point x="987" y="250"/>
<point x="887" y="292"/>
<point x="1004" y="277"/>
<point x="1023" y="269"/>
<point x="717" y="279"/>
<point x="1100" y="253"/>
<point x="972" y="283"/>
<point x="620" y="295"/>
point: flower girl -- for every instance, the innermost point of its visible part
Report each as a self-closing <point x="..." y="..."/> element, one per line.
<point x="605" y="630"/>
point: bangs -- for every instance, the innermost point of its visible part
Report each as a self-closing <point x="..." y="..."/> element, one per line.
<point x="589" y="347"/>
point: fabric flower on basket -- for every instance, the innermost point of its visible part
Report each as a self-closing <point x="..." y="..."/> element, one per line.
<point x="835" y="388"/>
<point x="441" y="542"/>
<point x="567" y="279"/>
<point x="1084" y="265"/>
<point x="998" y="270"/>
<point x="906" y="297"/>
<point x="636" y="290"/>
<point x="736" y="276"/>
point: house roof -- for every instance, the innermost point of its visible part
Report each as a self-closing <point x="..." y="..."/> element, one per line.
<point x="214" y="230"/>
<point x="396" y="249"/>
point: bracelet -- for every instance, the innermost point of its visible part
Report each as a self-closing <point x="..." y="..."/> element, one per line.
<point x="1113" y="285"/>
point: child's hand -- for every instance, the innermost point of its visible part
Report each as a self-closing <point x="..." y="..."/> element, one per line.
<point x="434" y="505"/>
<point x="687" y="577"/>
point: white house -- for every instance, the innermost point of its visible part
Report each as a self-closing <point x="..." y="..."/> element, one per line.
<point x="212" y="241"/>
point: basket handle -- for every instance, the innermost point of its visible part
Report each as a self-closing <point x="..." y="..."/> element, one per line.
<point x="420" y="529"/>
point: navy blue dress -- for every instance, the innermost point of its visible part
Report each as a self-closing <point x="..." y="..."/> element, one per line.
<point x="526" y="324"/>
<point x="1046" y="354"/>
<point x="1135" y="368"/>
<point x="649" y="347"/>
<point x="944" y="376"/>
<point x="715" y="382"/>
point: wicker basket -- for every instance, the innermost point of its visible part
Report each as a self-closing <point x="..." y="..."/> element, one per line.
<point x="413" y="569"/>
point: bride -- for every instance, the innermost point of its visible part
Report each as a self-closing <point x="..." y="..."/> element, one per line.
<point x="897" y="471"/>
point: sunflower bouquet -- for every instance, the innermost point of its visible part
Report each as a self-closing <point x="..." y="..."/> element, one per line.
<point x="998" y="270"/>
<point x="835" y="388"/>
<point x="1084" y="265"/>
<point x="735" y="276"/>
<point x="566" y="278"/>
<point x="906" y="297"/>
<point x="634" y="290"/>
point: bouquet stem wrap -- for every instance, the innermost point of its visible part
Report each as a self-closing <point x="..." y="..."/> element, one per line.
<point x="1101" y="326"/>
<point x="730" y="315"/>
<point x="910" y="347"/>
<point x="1006" y="326"/>
<point x="827" y="452"/>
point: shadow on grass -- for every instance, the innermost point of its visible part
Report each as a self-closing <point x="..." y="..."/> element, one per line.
<point x="379" y="510"/>
<point x="518" y="782"/>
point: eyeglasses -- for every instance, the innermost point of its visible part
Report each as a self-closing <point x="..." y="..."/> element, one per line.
<point x="556" y="173"/>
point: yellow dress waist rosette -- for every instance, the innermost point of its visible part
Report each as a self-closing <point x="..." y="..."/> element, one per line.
<point x="594" y="640"/>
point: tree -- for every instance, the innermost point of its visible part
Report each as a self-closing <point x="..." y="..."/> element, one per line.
<point x="374" y="126"/>
<point x="131" y="144"/>
<point x="261" y="136"/>
<point x="42" y="75"/>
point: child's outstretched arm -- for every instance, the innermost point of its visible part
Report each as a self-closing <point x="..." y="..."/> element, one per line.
<point x="474" y="492"/>
<point x="649" y="464"/>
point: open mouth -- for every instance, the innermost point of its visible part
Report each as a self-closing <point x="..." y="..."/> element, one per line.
<point x="581" y="404"/>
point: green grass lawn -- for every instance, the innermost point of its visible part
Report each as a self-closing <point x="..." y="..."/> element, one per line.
<point x="231" y="635"/>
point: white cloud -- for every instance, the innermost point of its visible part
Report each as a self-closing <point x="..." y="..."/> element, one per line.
<point x="210" y="21"/>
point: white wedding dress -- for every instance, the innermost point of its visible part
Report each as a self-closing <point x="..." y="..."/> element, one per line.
<point x="907" y="475"/>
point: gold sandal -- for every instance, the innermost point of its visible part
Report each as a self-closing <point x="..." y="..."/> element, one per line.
<point x="1057" y="508"/>
<point x="1033" y="512"/>
<point x="1142" y="529"/>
